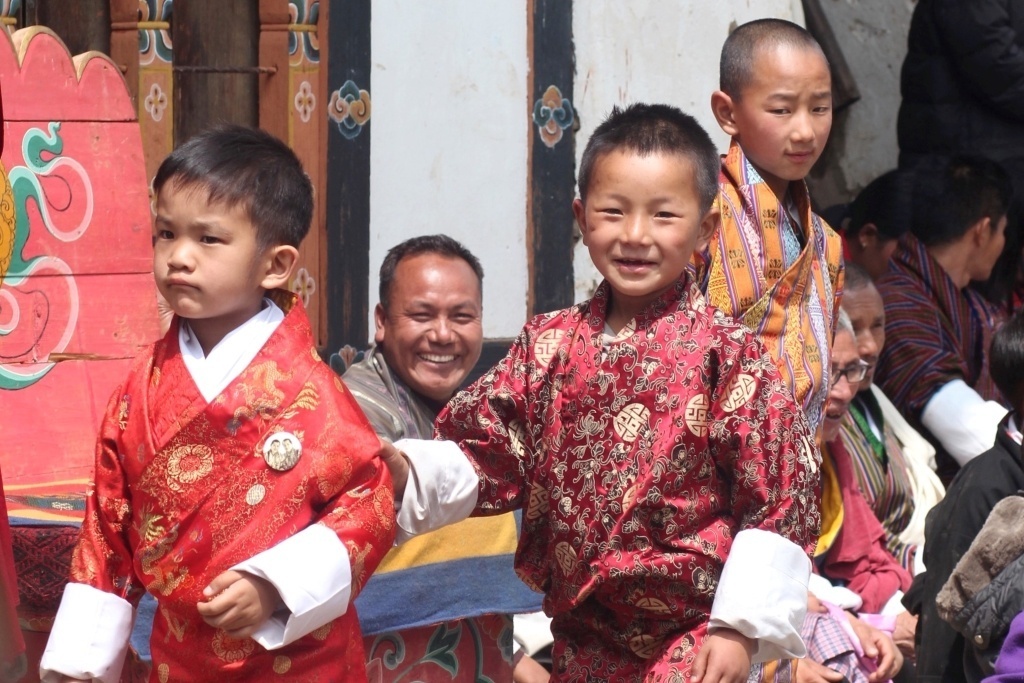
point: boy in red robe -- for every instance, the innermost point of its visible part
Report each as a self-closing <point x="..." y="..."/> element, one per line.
<point x="668" y="480"/>
<point x="236" y="480"/>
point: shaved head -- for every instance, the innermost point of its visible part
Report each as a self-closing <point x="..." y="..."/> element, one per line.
<point x="740" y="51"/>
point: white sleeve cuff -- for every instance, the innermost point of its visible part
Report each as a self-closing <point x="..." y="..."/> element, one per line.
<point x="963" y="422"/>
<point x="313" y="575"/>
<point x="840" y="596"/>
<point x="763" y="594"/>
<point x="442" y="487"/>
<point x="894" y="605"/>
<point x="919" y="567"/>
<point x="89" y="637"/>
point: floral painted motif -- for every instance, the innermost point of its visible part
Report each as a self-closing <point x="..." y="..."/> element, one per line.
<point x="156" y="102"/>
<point x="350" y="109"/>
<point x="155" y="44"/>
<point x="552" y="114"/>
<point x="304" y="285"/>
<point x="305" y="101"/>
<point x="304" y="12"/>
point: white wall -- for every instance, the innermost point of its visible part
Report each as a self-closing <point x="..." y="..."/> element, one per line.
<point x="653" y="51"/>
<point x="449" y="149"/>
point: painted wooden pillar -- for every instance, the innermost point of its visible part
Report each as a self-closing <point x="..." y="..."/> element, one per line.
<point x="215" y="58"/>
<point x="83" y="25"/>
<point x="347" y="203"/>
<point x="552" y="155"/>
<point x="292" y="105"/>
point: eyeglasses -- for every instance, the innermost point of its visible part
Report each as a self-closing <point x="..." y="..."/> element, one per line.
<point x="854" y="373"/>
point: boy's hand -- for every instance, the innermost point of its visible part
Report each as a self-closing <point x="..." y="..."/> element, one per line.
<point x="814" y="604"/>
<point x="809" y="671"/>
<point x="238" y="603"/>
<point x="398" y="466"/>
<point x="725" y="658"/>
<point x="877" y="646"/>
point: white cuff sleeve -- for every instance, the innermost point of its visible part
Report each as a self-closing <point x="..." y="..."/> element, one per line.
<point x="919" y="567"/>
<point x="894" y="605"/>
<point x="840" y="596"/>
<point x="89" y="637"/>
<point x="763" y="594"/>
<point x="963" y="422"/>
<point x="313" y="575"/>
<point x="442" y="487"/>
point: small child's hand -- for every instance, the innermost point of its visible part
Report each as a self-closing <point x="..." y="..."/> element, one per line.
<point x="725" y="658"/>
<point x="879" y="647"/>
<point x="238" y="603"/>
<point x="810" y="671"/>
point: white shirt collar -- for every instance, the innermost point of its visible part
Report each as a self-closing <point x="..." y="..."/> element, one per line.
<point x="214" y="372"/>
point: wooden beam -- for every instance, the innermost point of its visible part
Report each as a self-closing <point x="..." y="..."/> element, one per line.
<point x="219" y="35"/>
<point x="347" y="62"/>
<point x="552" y="156"/>
<point x="83" y="25"/>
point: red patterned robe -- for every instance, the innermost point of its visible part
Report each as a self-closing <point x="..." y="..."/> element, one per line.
<point x="183" y="493"/>
<point x="635" y="466"/>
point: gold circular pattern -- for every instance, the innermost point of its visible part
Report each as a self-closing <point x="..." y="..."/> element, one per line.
<point x="697" y="415"/>
<point x="740" y="390"/>
<point x="163" y="673"/>
<point x="189" y="464"/>
<point x="643" y="646"/>
<point x="255" y="494"/>
<point x="566" y="557"/>
<point x="517" y="435"/>
<point x="322" y="632"/>
<point x="546" y="346"/>
<point x="232" y="649"/>
<point x="630" y="421"/>
<point x="282" y="664"/>
<point x="539" y="503"/>
<point x="652" y="605"/>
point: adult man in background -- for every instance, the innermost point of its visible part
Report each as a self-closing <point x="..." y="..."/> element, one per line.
<point x="456" y="585"/>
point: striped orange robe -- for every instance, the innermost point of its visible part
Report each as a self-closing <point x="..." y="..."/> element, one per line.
<point x="791" y="309"/>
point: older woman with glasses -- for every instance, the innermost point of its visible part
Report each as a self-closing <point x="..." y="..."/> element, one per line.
<point x="890" y="460"/>
<point x="854" y="569"/>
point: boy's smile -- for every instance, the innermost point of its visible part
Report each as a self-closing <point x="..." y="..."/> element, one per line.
<point x="642" y="222"/>
<point x="207" y="262"/>
<point x="783" y="115"/>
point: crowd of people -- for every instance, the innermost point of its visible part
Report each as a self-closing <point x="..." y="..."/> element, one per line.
<point x="764" y="450"/>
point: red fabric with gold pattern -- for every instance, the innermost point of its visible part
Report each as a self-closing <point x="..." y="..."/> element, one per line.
<point x="635" y="467"/>
<point x="183" y="492"/>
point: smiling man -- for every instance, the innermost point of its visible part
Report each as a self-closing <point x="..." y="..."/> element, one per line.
<point x="428" y="337"/>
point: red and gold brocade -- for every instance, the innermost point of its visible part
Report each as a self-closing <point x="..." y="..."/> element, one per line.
<point x="182" y="493"/>
<point x="635" y="466"/>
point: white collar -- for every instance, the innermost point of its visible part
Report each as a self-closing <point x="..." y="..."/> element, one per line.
<point x="213" y="372"/>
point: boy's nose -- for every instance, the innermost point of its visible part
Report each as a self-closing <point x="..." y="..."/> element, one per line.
<point x="636" y="230"/>
<point x="179" y="256"/>
<point x="802" y="129"/>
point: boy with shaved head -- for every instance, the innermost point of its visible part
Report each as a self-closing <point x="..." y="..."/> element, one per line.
<point x="774" y="265"/>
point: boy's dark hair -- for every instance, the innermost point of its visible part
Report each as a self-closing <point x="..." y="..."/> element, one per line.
<point x="886" y="202"/>
<point x="739" y="53"/>
<point x="1006" y="360"/>
<point x="442" y="245"/>
<point x="247" y="168"/>
<point x="949" y="198"/>
<point x="655" y="129"/>
<point x="856" y="278"/>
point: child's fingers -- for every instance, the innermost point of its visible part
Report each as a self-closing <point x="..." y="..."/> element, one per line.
<point x="220" y="583"/>
<point x="700" y="666"/>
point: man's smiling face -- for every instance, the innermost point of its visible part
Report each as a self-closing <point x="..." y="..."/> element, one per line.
<point x="430" y="329"/>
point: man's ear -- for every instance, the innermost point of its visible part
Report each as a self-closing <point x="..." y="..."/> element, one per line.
<point x="708" y="227"/>
<point x="379" y="318"/>
<point x="278" y="264"/>
<point x="724" y="109"/>
<point x="580" y="211"/>
<point x="981" y="231"/>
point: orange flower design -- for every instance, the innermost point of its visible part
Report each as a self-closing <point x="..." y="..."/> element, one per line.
<point x="188" y="464"/>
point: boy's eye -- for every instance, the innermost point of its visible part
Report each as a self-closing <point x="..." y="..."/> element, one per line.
<point x="164" y="234"/>
<point x="822" y="110"/>
<point x="612" y="212"/>
<point x="664" y="214"/>
<point x="209" y="239"/>
<point x="779" y="112"/>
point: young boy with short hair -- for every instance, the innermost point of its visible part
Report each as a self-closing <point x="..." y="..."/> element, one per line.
<point x="774" y="265"/>
<point x="236" y="479"/>
<point x="667" y="479"/>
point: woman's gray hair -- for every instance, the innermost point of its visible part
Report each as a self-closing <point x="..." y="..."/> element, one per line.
<point x="844" y="324"/>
